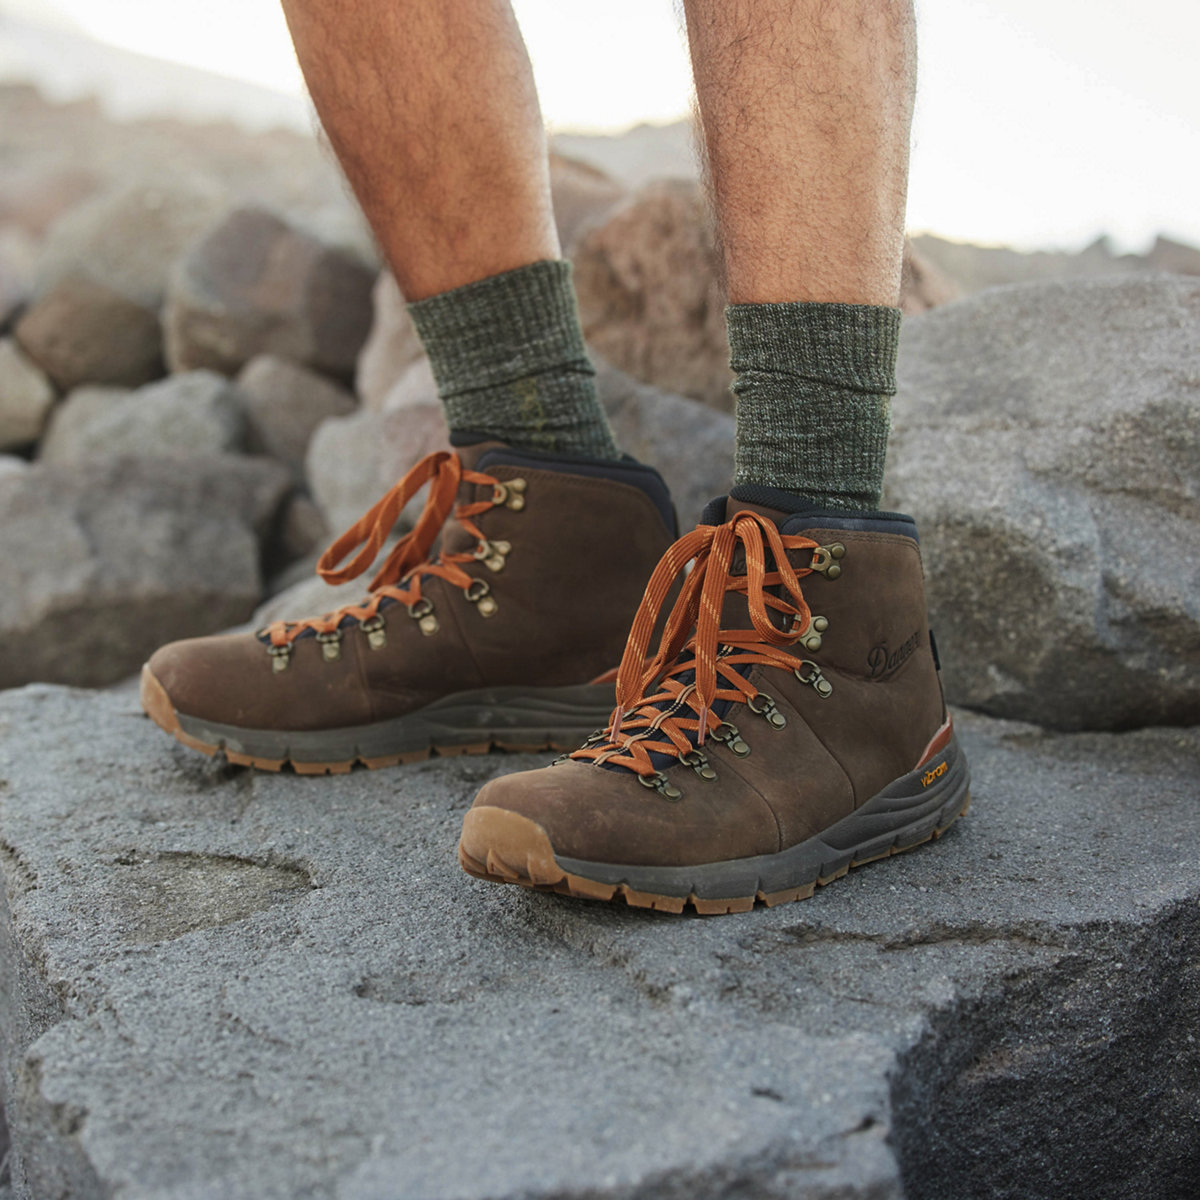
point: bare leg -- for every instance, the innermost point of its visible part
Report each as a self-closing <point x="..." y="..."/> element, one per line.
<point x="432" y="111"/>
<point x="806" y="107"/>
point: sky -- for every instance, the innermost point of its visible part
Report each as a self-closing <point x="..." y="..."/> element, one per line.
<point x="1039" y="122"/>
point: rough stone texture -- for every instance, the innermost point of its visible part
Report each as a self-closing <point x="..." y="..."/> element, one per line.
<point x="414" y="386"/>
<point x="82" y="331"/>
<point x="255" y="285"/>
<point x="308" y="597"/>
<point x="101" y="562"/>
<point x="302" y="529"/>
<point x="391" y="347"/>
<point x="18" y="262"/>
<point x="223" y="984"/>
<point x="690" y="444"/>
<point x="582" y="195"/>
<point x="649" y="292"/>
<point x="194" y="415"/>
<point x="353" y="460"/>
<point x="284" y="404"/>
<point x="1169" y="255"/>
<point x="11" y="465"/>
<point x="128" y="237"/>
<point x="922" y="285"/>
<point x="1047" y="438"/>
<point x="26" y="397"/>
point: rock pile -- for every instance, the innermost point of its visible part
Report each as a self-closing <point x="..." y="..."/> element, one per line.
<point x="1044" y="434"/>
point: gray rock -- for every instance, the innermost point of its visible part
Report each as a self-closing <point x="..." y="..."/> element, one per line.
<point x="222" y="983"/>
<point x="284" y="404"/>
<point x="689" y="443"/>
<point x="583" y="196"/>
<point x="353" y="460"/>
<point x="11" y="466"/>
<point x="127" y="238"/>
<point x="650" y="296"/>
<point x="308" y="597"/>
<point x="391" y="347"/>
<point x="18" y="262"/>
<point x="101" y="562"/>
<point x="414" y="386"/>
<point x="302" y="529"/>
<point x="82" y="331"/>
<point x="1047" y="438"/>
<point x="194" y="415"/>
<point x="255" y="285"/>
<point x="26" y="397"/>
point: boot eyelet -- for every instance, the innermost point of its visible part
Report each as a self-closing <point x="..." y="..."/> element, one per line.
<point x="814" y="679"/>
<point x="764" y="706"/>
<point x="728" y="735"/>
<point x="421" y="611"/>
<point x="824" y="560"/>
<point x="331" y="645"/>
<point x="493" y="554"/>
<point x="510" y="494"/>
<point x="662" y="785"/>
<point x="811" y="640"/>
<point x="698" y="761"/>
<point x="281" y="656"/>
<point x="373" y="627"/>
<point x="479" y="593"/>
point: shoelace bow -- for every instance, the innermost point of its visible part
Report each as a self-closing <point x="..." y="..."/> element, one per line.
<point x="678" y="716"/>
<point x="399" y="577"/>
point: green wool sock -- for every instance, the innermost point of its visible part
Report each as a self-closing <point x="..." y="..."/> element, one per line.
<point x="508" y="356"/>
<point x="814" y="384"/>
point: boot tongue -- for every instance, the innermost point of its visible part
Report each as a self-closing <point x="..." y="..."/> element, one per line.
<point x="735" y="612"/>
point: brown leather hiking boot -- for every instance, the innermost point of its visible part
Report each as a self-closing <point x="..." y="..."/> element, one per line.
<point x="496" y="639"/>
<point x="779" y="736"/>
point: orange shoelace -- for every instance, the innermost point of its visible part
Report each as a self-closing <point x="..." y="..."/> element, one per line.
<point x="401" y="574"/>
<point x="677" y="718"/>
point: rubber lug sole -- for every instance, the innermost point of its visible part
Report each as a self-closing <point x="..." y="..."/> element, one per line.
<point x="426" y="737"/>
<point x="502" y="846"/>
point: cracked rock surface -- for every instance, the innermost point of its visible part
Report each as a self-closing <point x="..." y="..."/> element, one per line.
<point x="217" y="983"/>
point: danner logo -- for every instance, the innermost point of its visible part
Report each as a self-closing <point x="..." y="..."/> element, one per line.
<point x="932" y="774"/>
<point x="880" y="662"/>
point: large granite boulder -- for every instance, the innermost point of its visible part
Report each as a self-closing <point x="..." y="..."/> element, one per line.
<point x="256" y="285"/>
<point x="101" y="562"/>
<point x="582" y="196"/>
<point x="26" y="397"/>
<point x="690" y="444"/>
<point x="222" y="983"/>
<point x="391" y="347"/>
<point x="1047" y="438"/>
<point x="193" y="415"/>
<point x="650" y="296"/>
<point x="353" y="460"/>
<point x="82" y="331"/>
<point x="284" y="404"/>
<point x="128" y="237"/>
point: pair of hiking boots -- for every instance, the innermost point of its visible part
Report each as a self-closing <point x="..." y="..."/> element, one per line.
<point x="778" y="715"/>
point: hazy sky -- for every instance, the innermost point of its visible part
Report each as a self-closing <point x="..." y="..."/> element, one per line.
<point x="1039" y="121"/>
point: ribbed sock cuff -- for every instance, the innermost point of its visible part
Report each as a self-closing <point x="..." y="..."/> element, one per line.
<point x="848" y="345"/>
<point x="813" y="385"/>
<point x="503" y="328"/>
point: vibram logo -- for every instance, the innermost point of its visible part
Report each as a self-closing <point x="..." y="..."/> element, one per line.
<point x="933" y="773"/>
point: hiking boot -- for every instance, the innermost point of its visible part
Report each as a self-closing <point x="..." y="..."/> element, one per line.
<point x="496" y="637"/>
<point x="790" y="726"/>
